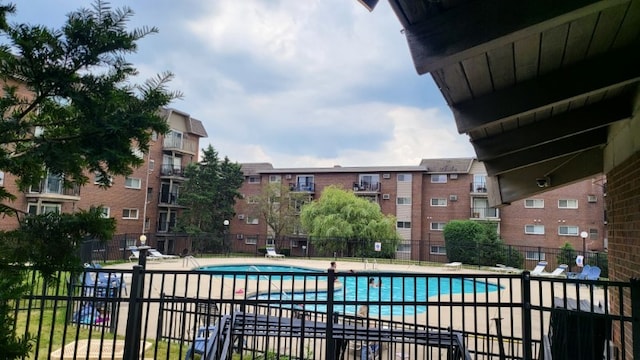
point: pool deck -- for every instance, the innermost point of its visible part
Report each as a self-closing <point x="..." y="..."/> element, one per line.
<point x="446" y="315"/>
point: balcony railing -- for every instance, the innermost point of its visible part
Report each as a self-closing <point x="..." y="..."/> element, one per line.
<point x="170" y="198"/>
<point x="308" y="187"/>
<point x="180" y="144"/>
<point x="366" y="187"/>
<point x="484" y="213"/>
<point x="171" y="170"/>
<point x="54" y="188"/>
<point x="478" y="187"/>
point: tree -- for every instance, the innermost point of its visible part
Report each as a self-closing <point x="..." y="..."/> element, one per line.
<point x="69" y="108"/>
<point x="279" y="207"/>
<point x="209" y="194"/>
<point x="567" y="255"/>
<point x="340" y="218"/>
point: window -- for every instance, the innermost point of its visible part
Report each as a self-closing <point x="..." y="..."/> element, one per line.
<point x="97" y="178"/>
<point x="534" y="229"/>
<point x="593" y="234"/>
<point x="254" y="180"/>
<point x="252" y="220"/>
<point x="106" y="212"/>
<point x="534" y="255"/>
<point x="275" y="178"/>
<point x="404" y="177"/>
<point x="154" y="136"/>
<point x="567" y="204"/>
<point x="252" y="200"/>
<point x="438" y="250"/>
<point x="534" y="204"/>
<point x="480" y="183"/>
<point x="137" y="153"/>
<point x="403" y="201"/>
<point x="132" y="183"/>
<point x="404" y="225"/>
<point x="437" y="226"/>
<point x="129" y="213"/>
<point x="45" y="208"/>
<point x="568" y="230"/>
<point x="439" y="178"/>
<point x="592" y="198"/>
<point x="438" y="202"/>
<point x="1" y="178"/>
<point x="251" y="239"/>
<point x="404" y="247"/>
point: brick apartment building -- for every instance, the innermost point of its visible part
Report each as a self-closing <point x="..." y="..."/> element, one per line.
<point x="425" y="197"/>
<point x="144" y="202"/>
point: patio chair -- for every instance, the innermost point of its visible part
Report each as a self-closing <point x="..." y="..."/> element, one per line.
<point x="539" y="268"/>
<point x="135" y="255"/>
<point x="271" y="253"/>
<point x="161" y="256"/>
<point x="593" y="274"/>
<point x="456" y="265"/>
<point x="580" y="275"/>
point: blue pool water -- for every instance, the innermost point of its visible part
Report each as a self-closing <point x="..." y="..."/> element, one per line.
<point x="410" y="290"/>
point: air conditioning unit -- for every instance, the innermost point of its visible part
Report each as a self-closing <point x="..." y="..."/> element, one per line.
<point x="453" y="176"/>
<point x="241" y="216"/>
<point x="239" y="236"/>
<point x="386" y="176"/>
<point x="592" y="198"/>
<point x="386" y="196"/>
<point x="453" y="197"/>
<point x="288" y="177"/>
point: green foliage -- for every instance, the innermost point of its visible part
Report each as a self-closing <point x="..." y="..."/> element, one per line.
<point x="340" y="218"/>
<point x="279" y="207"/>
<point x="209" y="194"/>
<point x="567" y="255"/>
<point x="601" y="260"/>
<point x="477" y="243"/>
<point x="461" y="238"/>
<point x="68" y="108"/>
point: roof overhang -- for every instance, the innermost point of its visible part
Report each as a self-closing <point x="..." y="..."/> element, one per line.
<point x="535" y="84"/>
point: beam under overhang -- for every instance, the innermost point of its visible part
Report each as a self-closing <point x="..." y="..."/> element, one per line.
<point x="581" y="120"/>
<point x="567" y="146"/>
<point x="521" y="183"/>
<point x="470" y="28"/>
<point x="589" y="77"/>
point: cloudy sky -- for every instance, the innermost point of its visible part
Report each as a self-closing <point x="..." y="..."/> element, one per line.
<point x="310" y="83"/>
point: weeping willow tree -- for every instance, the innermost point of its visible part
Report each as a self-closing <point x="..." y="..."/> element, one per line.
<point x="340" y="221"/>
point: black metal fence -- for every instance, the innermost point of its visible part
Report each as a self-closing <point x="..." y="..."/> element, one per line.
<point x="254" y="312"/>
<point x="414" y="251"/>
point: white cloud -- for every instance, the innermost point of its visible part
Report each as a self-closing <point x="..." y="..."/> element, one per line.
<point x="295" y="83"/>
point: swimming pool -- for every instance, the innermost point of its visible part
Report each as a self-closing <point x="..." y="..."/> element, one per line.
<point x="409" y="290"/>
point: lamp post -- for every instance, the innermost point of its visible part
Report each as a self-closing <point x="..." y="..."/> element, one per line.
<point x="584" y="235"/>
<point x="143" y="248"/>
<point x="225" y="236"/>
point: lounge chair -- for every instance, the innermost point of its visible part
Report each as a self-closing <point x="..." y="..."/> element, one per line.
<point x="135" y="255"/>
<point x="271" y="253"/>
<point x="539" y="268"/>
<point x="456" y="265"/>
<point x="593" y="274"/>
<point x="581" y="275"/>
<point x="159" y="255"/>
<point x="557" y="272"/>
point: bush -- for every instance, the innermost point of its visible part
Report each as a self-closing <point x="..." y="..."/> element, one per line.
<point x="460" y="238"/>
<point x="567" y="255"/>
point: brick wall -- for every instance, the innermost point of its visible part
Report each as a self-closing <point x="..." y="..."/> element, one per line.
<point x="623" y="210"/>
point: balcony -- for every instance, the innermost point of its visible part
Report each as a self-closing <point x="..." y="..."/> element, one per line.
<point x="305" y="187"/>
<point x="179" y="144"/>
<point x="168" y="198"/>
<point x="172" y="171"/>
<point x="484" y="213"/>
<point x="478" y="187"/>
<point x="55" y="188"/>
<point x="365" y="187"/>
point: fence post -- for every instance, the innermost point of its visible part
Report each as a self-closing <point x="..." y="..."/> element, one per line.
<point x="635" y="315"/>
<point x="134" y="319"/>
<point x="330" y="346"/>
<point x="526" y="316"/>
